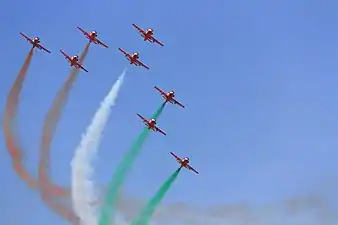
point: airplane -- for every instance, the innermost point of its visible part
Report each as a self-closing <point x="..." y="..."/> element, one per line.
<point x="134" y="58"/>
<point x="74" y="61"/>
<point x="169" y="97"/>
<point x="35" y="42"/>
<point x="184" y="162"/>
<point x="92" y="36"/>
<point x="148" y="35"/>
<point x="151" y="124"/>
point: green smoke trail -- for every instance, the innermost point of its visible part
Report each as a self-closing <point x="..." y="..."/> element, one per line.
<point x="108" y="207"/>
<point x="149" y="209"/>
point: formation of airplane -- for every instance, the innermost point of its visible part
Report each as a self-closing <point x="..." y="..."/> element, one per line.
<point x="184" y="162"/>
<point x="151" y="124"/>
<point x="169" y="97"/>
<point x="92" y="36"/>
<point x="35" y="42"/>
<point x="147" y="35"/>
<point x="133" y="58"/>
<point x="74" y="61"/>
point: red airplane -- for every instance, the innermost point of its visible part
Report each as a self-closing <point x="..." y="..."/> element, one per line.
<point x="184" y="162"/>
<point x="92" y="36"/>
<point x="148" y="35"/>
<point x="134" y="58"/>
<point x="35" y="42"/>
<point x="74" y="61"/>
<point x="169" y="97"/>
<point x="151" y="124"/>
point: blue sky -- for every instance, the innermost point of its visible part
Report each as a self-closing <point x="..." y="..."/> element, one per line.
<point x="258" y="78"/>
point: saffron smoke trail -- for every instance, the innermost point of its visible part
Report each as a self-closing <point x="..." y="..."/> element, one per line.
<point x="49" y="127"/>
<point x="8" y="124"/>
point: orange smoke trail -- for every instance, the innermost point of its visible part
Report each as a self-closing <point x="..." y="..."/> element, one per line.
<point x="49" y="127"/>
<point x="8" y="122"/>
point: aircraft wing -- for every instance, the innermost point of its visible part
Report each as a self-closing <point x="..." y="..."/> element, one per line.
<point x="101" y="43"/>
<point x="144" y="119"/>
<point x="83" y="31"/>
<point x="124" y="52"/>
<point x="177" y="103"/>
<point x="139" y="29"/>
<point x="43" y="48"/>
<point x="27" y="38"/>
<point x="65" y="55"/>
<point x="190" y="168"/>
<point x="162" y="92"/>
<point x="159" y="130"/>
<point x="81" y="67"/>
<point x="178" y="159"/>
<point x="158" y="42"/>
<point x="142" y="64"/>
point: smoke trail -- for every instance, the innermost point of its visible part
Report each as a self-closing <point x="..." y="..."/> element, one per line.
<point x="109" y="204"/>
<point x="8" y="124"/>
<point x="309" y="210"/>
<point x="146" y="213"/>
<point x="149" y="209"/>
<point x="49" y="127"/>
<point x="83" y="190"/>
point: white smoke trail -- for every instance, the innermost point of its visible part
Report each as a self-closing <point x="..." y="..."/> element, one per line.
<point x="83" y="189"/>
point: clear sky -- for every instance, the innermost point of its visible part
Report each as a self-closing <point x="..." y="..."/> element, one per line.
<point x="258" y="78"/>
